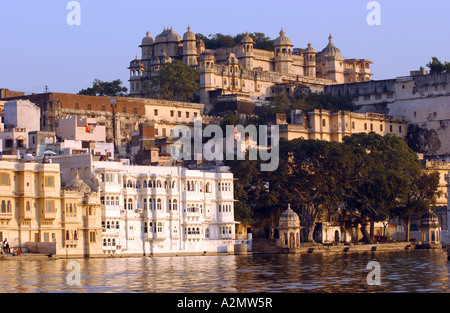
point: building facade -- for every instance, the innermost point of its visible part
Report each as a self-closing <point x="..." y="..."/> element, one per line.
<point x="120" y="119"/>
<point x="37" y="215"/>
<point x="334" y="126"/>
<point x="150" y="210"/>
<point x="242" y="69"/>
<point x="422" y="99"/>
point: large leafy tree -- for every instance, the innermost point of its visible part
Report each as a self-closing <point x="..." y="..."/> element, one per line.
<point x="216" y="41"/>
<point x="437" y="67"/>
<point x="421" y="196"/>
<point x="175" y="81"/>
<point x="388" y="168"/>
<point x="105" y="89"/>
<point x="319" y="173"/>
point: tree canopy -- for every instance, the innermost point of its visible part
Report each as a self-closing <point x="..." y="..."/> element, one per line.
<point x="285" y="103"/>
<point x="366" y="179"/>
<point x="216" y="41"/>
<point x="175" y="81"/>
<point x="437" y="67"/>
<point x="105" y="89"/>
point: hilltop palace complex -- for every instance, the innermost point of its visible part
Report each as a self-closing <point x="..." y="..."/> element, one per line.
<point x="242" y="70"/>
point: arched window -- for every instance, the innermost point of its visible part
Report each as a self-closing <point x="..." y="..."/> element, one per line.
<point x="208" y="190"/>
<point x="160" y="225"/>
<point x="158" y="204"/>
<point x="207" y="233"/>
<point x="145" y="204"/>
<point x="144" y="184"/>
<point x="170" y="205"/>
<point x="8" y="207"/>
<point x="3" y="206"/>
<point x="75" y="235"/>
<point x="28" y="206"/>
<point x="130" y="204"/>
<point x="158" y="184"/>
<point x="67" y="235"/>
<point x="175" y="205"/>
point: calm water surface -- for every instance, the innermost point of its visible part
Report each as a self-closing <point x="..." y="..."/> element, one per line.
<point x="402" y="271"/>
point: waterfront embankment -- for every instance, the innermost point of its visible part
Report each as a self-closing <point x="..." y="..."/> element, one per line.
<point x="261" y="247"/>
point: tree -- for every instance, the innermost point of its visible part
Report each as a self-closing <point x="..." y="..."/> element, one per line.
<point x="437" y="67"/>
<point x="421" y="196"/>
<point x="175" y="81"/>
<point x="105" y="89"/>
<point x="318" y="176"/>
<point x="217" y="41"/>
<point x="387" y="168"/>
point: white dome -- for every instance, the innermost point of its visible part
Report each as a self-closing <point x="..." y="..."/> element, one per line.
<point x="289" y="219"/>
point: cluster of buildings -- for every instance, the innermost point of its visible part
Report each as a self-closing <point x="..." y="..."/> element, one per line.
<point x="93" y="176"/>
<point x="243" y="73"/>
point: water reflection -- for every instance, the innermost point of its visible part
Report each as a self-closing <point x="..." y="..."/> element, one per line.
<point x="403" y="271"/>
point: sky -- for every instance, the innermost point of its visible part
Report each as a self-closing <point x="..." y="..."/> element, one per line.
<point x="39" y="48"/>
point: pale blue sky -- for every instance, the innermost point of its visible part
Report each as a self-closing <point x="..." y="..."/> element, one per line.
<point x="38" y="47"/>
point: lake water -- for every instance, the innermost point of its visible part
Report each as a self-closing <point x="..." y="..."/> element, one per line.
<point x="400" y="271"/>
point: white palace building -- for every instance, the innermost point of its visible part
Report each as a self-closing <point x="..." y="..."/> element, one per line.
<point x="149" y="210"/>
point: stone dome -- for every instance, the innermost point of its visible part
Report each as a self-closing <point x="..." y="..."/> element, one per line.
<point x="207" y="55"/>
<point x="429" y="219"/>
<point x="331" y="50"/>
<point x="247" y="39"/>
<point x="200" y="43"/>
<point x="172" y="36"/>
<point x="136" y="63"/>
<point x="189" y="36"/>
<point x="282" y="40"/>
<point x="310" y="49"/>
<point x="147" y="41"/>
<point x="289" y="219"/>
<point x="78" y="185"/>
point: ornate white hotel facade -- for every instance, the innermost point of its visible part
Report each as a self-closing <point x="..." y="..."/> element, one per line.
<point x="148" y="210"/>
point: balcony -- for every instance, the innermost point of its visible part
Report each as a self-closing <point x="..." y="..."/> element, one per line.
<point x="49" y="215"/>
<point x="70" y="218"/>
<point x="26" y="215"/>
<point x="154" y="237"/>
<point x="70" y="243"/>
<point x="6" y="216"/>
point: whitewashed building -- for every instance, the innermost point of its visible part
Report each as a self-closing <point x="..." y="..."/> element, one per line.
<point x="148" y="210"/>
